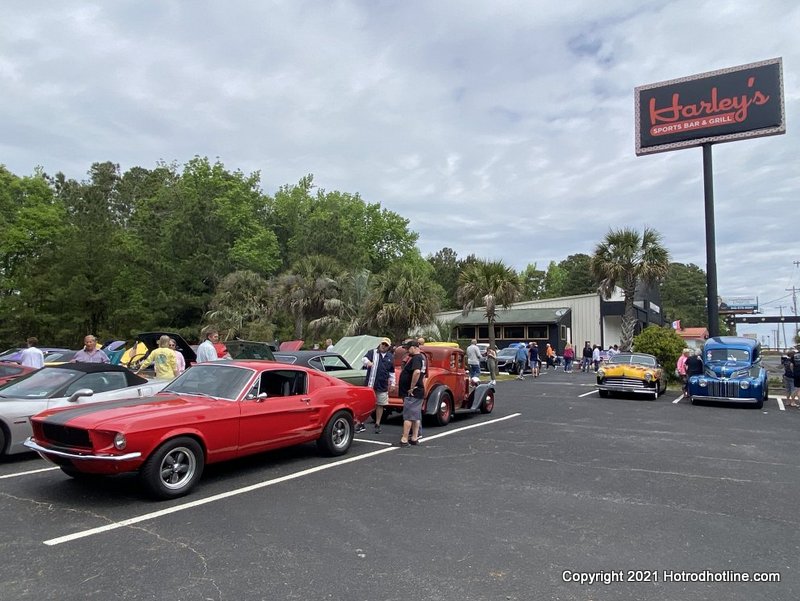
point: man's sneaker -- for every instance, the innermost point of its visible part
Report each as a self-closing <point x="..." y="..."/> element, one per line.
<point x="360" y="427"/>
<point x="492" y="382"/>
<point x="377" y="429"/>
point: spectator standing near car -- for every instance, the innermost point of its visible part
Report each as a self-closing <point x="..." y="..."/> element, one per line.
<point x="796" y="370"/>
<point x="694" y="365"/>
<point x="521" y="360"/>
<point x="90" y="353"/>
<point x="179" y="360"/>
<point x="533" y="357"/>
<point x="206" y="351"/>
<point x="163" y="360"/>
<point x="412" y="391"/>
<point x="491" y="364"/>
<point x="680" y="367"/>
<point x="596" y="357"/>
<point x="587" y="356"/>
<point x="329" y="345"/>
<point x="379" y="363"/>
<point x="550" y="356"/>
<point x="474" y="359"/>
<point x="569" y="357"/>
<point x="32" y="356"/>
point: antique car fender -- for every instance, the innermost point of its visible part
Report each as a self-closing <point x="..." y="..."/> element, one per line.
<point x="434" y="398"/>
<point x="478" y="395"/>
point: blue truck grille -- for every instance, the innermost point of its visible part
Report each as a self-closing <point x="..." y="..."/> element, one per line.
<point x="723" y="388"/>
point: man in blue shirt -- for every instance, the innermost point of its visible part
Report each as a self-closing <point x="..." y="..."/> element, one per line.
<point x="521" y="360"/>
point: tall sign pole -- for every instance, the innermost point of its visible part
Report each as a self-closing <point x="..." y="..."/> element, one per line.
<point x="700" y="110"/>
<point x="712" y="303"/>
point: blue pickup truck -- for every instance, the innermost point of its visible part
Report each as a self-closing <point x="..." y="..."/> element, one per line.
<point x="732" y="373"/>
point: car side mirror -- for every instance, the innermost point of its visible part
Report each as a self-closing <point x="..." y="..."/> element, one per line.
<point x="79" y="393"/>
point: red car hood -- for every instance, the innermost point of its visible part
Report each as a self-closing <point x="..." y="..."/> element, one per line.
<point x="120" y="415"/>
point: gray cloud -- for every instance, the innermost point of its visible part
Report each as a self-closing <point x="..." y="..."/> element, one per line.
<point x="503" y="129"/>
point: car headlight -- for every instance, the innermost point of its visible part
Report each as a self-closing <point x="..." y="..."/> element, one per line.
<point x="744" y="384"/>
<point x="120" y="442"/>
<point x="703" y="383"/>
<point x="648" y="377"/>
<point x="601" y="373"/>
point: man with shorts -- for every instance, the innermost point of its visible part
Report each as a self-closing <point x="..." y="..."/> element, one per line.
<point x="379" y="363"/>
<point x="412" y="391"/>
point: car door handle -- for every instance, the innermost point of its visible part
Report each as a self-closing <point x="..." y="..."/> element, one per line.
<point x="306" y="399"/>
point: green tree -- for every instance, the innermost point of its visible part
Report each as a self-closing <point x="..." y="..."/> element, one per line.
<point x="345" y="315"/>
<point x="626" y="259"/>
<point x="403" y="297"/>
<point x="683" y="294"/>
<point x="554" y="281"/>
<point x="531" y="282"/>
<point x="488" y="284"/>
<point x="663" y="343"/>
<point x="242" y="307"/>
<point x="304" y="289"/>
<point x="577" y="270"/>
<point x="446" y="268"/>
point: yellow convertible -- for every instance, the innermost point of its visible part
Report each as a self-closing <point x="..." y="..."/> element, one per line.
<point x="631" y="372"/>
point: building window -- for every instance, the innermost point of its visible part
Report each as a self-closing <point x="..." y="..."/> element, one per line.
<point x="514" y="332"/>
<point x="466" y="332"/>
<point x="563" y="332"/>
<point x="538" y="332"/>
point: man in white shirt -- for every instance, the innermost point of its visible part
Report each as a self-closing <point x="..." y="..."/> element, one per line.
<point x="206" y="351"/>
<point x="32" y="356"/>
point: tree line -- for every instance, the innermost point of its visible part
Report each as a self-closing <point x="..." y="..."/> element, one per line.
<point x="181" y="247"/>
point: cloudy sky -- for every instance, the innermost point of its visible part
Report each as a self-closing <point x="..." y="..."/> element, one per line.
<point x="503" y="128"/>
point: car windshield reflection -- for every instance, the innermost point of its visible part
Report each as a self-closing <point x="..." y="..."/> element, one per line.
<point x="728" y="354"/>
<point x="40" y="384"/>
<point x="212" y="380"/>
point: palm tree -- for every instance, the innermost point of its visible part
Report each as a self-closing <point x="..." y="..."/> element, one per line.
<point x="626" y="259"/>
<point x="488" y="284"/>
<point x="305" y="288"/>
<point x="403" y="297"/>
<point x="345" y="314"/>
<point x="241" y="306"/>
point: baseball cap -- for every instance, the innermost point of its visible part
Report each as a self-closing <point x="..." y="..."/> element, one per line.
<point x="386" y="341"/>
<point x="410" y="343"/>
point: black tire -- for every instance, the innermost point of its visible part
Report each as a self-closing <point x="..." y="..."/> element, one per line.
<point x="173" y="468"/>
<point x="603" y="393"/>
<point x="487" y="404"/>
<point x="338" y="434"/>
<point x="444" y="412"/>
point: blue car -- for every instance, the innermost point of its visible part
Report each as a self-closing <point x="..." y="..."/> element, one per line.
<point x="732" y="373"/>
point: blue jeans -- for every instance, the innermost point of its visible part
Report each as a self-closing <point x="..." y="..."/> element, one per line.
<point x="474" y="370"/>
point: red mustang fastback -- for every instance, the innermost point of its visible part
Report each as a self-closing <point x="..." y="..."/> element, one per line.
<point x="212" y="412"/>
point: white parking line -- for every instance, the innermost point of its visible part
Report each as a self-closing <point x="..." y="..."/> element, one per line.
<point x="380" y="442"/>
<point x="252" y="487"/>
<point x="679" y="399"/>
<point x="586" y="393"/>
<point x="44" y="469"/>
<point x="780" y="403"/>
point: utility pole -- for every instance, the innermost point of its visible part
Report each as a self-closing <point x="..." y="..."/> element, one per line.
<point x="783" y="326"/>
<point x="794" y="302"/>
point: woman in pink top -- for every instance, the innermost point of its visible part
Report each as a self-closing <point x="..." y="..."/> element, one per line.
<point x="680" y="367"/>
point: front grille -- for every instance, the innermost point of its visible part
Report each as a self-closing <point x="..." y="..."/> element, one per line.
<point x="723" y="388"/>
<point x="630" y="383"/>
<point x="66" y="436"/>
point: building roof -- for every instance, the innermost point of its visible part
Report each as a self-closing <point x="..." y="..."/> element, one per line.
<point x="693" y="333"/>
<point x="512" y="316"/>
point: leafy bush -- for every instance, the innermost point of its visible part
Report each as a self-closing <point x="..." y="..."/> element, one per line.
<point x="664" y="344"/>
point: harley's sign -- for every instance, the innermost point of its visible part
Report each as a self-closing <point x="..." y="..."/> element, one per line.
<point x="719" y="106"/>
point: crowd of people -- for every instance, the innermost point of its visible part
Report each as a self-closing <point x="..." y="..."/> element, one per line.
<point x="791" y="377"/>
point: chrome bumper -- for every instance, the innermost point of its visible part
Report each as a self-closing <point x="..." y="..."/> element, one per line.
<point x="44" y="451"/>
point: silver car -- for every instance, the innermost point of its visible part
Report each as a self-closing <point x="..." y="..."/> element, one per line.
<point x="62" y="385"/>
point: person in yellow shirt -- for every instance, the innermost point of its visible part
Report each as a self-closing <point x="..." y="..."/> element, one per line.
<point x="163" y="357"/>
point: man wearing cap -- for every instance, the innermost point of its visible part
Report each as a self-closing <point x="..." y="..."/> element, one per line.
<point x="412" y="391"/>
<point x="379" y="363"/>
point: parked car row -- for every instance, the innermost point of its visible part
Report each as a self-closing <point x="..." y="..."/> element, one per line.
<point x="168" y="431"/>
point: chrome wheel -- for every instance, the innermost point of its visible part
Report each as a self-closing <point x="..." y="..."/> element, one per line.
<point x="340" y="433"/>
<point x="178" y="467"/>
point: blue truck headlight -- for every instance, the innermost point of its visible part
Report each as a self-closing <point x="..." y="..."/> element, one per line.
<point x="744" y="384"/>
<point x="703" y="383"/>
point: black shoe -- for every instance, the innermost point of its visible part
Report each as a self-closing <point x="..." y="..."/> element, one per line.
<point x="404" y="444"/>
<point x="413" y="442"/>
<point x="360" y="428"/>
<point x="377" y="429"/>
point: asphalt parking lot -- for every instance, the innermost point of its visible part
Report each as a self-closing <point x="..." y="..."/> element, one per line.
<point x="655" y="500"/>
